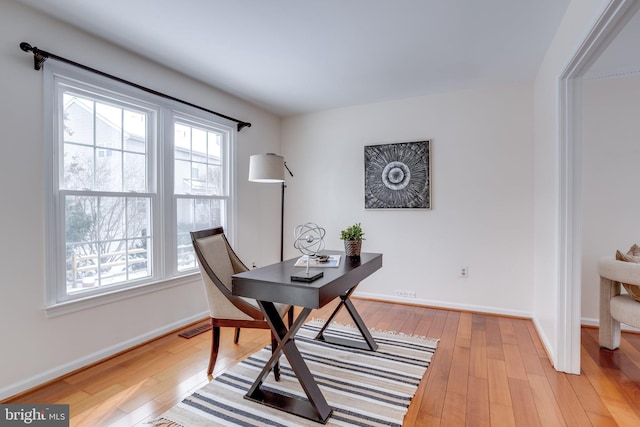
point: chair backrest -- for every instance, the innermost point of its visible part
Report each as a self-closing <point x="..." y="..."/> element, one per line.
<point x="218" y="262"/>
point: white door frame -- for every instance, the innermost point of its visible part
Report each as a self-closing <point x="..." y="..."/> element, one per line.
<point x="615" y="16"/>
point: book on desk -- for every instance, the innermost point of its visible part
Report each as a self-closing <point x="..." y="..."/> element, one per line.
<point x="332" y="261"/>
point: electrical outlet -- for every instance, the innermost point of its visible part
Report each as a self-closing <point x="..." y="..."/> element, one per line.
<point x="406" y="294"/>
<point x="464" y="272"/>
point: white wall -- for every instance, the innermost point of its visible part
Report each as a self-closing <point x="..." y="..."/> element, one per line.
<point x="482" y="195"/>
<point x="36" y="348"/>
<point x="610" y="178"/>
<point x="576" y="24"/>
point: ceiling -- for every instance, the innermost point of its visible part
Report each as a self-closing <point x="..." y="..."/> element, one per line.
<point x="294" y="56"/>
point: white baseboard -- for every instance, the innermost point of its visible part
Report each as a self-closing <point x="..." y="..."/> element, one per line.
<point x="596" y="322"/>
<point x="467" y="307"/>
<point x="59" y="371"/>
<point x="545" y="340"/>
<point x="444" y="305"/>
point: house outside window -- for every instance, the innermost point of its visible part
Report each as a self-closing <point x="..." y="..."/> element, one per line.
<point x="129" y="176"/>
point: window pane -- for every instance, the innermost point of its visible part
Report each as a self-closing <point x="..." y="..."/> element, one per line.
<point x="198" y="161"/>
<point x="135" y="172"/>
<point x="108" y="126"/>
<point x="122" y="251"/>
<point x="108" y="170"/>
<point x="78" y="167"/>
<point x="214" y="179"/>
<point x="182" y="141"/>
<point x="214" y="145"/>
<point x="198" y="178"/>
<point x="77" y="119"/>
<point x="186" y="256"/>
<point x="94" y="159"/>
<point x="195" y="214"/>
<point x="207" y="213"/>
<point x="138" y="233"/>
<point x="185" y="216"/>
<point x="199" y="144"/>
<point x="138" y="217"/>
<point x="135" y="131"/>
<point x="82" y="267"/>
<point x="139" y="259"/>
<point x="182" y="172"/>
<point x="113" y="262"/>
<point x="81" y="248"/>
<point x="80" y="219"/>
<point x="139" y="237"/>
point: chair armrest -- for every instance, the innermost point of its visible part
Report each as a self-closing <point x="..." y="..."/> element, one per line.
<point x="619" y="271"/>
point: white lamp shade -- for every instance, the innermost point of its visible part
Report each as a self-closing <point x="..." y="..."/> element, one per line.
<point x="266" y="168"/>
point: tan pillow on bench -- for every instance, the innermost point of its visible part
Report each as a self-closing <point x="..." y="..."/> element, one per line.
<point x="632" y="256"/>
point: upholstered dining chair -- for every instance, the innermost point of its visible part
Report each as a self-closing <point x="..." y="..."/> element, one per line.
<point x="218" y="262"/>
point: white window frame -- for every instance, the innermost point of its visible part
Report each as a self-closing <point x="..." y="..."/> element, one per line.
<point x="160" y="177"/>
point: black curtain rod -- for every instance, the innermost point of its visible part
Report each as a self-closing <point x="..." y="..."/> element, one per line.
<point x="40" y="56"/>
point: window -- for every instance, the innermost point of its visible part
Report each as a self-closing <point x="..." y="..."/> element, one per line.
<point x="200" y="184"/>
<point x="129" y="175"/>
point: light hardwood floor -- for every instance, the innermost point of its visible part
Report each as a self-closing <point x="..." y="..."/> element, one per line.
<point x="487" y="370"/>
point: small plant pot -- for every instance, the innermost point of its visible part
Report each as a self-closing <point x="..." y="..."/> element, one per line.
<point x="352" y="248"/>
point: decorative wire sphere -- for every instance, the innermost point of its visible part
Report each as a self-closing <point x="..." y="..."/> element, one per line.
<point x="309" y="238"/>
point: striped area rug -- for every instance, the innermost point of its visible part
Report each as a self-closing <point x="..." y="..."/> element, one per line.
<point x="364" y="388"/>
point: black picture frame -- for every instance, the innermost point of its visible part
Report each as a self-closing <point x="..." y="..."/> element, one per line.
<point x="398" y="176"/>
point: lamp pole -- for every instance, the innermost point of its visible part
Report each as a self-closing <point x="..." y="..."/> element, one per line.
<point x="270" y="168"/>
<point x="282" y="215"/>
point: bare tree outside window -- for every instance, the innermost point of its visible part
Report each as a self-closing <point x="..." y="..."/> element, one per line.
<point x="107" y="236"/>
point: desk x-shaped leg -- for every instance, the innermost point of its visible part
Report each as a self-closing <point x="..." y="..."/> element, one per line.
<point x="368" y="344"/>
<point x="316" y="407"/>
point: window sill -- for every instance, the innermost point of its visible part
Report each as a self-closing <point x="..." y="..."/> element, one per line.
<point x="67" y="307"/>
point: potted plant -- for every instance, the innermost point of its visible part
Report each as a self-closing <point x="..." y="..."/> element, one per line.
<point x="353" y="237"/>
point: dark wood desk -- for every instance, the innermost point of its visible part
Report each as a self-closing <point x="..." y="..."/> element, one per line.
<point x="272" y="284"/>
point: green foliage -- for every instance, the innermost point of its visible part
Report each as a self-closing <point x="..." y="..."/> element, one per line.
<point x="353" y="232"/>
<point x="79" y="222"/>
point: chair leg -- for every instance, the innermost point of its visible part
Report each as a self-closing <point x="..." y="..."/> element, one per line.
<point x="290" y="316"/>
<point x="609" y="333"/>
<point x="215" y="344"/>
<point x="276" y="367"/>
<point x="236" y="336"/>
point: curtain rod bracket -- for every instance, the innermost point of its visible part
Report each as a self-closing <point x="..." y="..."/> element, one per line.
<point x="39" y="56"/>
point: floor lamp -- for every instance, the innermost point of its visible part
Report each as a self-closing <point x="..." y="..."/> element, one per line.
<point x="270" y="168"/>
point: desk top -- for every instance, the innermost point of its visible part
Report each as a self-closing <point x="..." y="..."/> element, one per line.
<point x="273" y="282"/>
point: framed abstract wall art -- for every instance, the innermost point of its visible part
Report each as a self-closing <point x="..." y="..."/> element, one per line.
<point x="397" y="176"/>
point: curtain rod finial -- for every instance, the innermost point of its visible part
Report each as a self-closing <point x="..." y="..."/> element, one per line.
<point x="242" y="125"/>
<point x="39" y="56"/>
